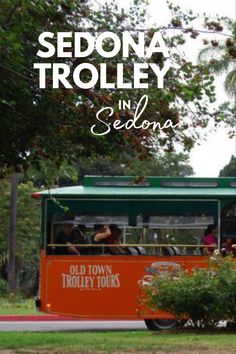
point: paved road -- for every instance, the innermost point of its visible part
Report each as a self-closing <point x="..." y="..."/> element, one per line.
<point x="71" y="325"/>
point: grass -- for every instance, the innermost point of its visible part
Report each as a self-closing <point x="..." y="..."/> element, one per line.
<point x="17" y="306"/>
<point x="109" y="342"/>
<point x="106" y="342"/>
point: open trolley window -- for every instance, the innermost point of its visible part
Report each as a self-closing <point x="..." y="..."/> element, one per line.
<point x="145" y="226"/>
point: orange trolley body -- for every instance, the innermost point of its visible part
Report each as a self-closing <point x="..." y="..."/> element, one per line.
<point x="107" y="286"/>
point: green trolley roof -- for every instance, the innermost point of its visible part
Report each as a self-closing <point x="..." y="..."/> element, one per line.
<point x="146" y="187"/>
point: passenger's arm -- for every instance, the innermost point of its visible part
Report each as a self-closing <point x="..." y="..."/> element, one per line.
<point x="72" y="249"/>
<point x="102" y="235"/>
<point x="121" y="250"/>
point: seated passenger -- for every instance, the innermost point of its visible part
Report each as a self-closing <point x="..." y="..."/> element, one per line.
<point x="66" y="237"/>
<point x="99" y="237"/>
<point x="114" y="238"/>
<point x="228" y="247"/>
<point x="210" y="239"/>
<point x="80" y="237"/>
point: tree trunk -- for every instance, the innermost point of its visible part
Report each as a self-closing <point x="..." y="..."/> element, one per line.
<point x="12" y="235"/>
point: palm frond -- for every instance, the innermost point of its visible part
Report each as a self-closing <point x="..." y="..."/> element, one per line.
<point x="211" y="52"/>
<point x="230" y="83"/>
<point x="220" y="66"/>
<point x="233" y="28"/>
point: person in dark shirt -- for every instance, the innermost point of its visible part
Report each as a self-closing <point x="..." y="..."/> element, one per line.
<point x="114" y="238"/>
<point x="80" y="237"/>
<point x="228" y="246"/>
<point x="66" y="237"/>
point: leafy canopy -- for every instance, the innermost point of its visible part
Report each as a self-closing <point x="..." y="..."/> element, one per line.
<point x="55" y="124"/>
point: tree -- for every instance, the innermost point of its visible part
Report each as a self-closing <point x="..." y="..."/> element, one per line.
<point x="55" y="124"/>
<point x="12" y="235"/>
<point x="168" y="164"/>
<point x="27" y="235"/>
<point x="221" y="56"/>
<point x="229" y="170"/>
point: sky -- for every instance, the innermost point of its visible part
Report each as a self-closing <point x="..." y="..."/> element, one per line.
<point x="213" y="153"/>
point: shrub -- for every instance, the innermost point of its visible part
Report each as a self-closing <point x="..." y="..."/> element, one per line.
<point x="204" y="296"/>
<point x="3" y="287"/>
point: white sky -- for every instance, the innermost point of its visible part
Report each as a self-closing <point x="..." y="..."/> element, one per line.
<point x="208" y="158"/>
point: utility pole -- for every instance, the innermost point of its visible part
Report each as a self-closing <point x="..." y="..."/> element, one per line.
<point x="11" y="270"/>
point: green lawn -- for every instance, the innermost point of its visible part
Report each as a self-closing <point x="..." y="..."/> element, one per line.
<point x="17" y="306"/>
<point x="107" y="342"/>
<point x="92" y="342"/>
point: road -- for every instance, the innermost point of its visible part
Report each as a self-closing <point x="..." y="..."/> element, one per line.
<point x="70" y="325"/>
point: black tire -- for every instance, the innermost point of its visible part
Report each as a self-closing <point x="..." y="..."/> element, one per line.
<point x="160" y="325"/>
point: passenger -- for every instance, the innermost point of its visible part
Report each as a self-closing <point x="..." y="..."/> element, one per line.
<point x="114" y="238"/>
<point x="80" y="237"/>
<point x="99" y="237"/>
<point x="234" y="250"/>
<point x="210" y="239"/>
<point x="66" y="237"/>
<point x="228" y="247"/>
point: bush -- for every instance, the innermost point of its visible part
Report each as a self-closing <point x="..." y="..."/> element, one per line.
<point x="205" y="296"/>
<point x="3" y="287"/>
<point x="16" y="304"/>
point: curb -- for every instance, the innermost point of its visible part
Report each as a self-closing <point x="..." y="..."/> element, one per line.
<point x="55" y="318"/>
<point x="35" y="318"/>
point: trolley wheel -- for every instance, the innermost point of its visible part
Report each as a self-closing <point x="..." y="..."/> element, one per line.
<point x="159" y="325"/>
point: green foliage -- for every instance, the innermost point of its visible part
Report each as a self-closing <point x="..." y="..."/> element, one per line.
<point x="220" y="55"/>
<point x="16" y="305"/>
<point x="37" y="125"/>
<point x="47" y="174"/>
<point x="96" y="342"/>
<point x="167" y="164"/>
<point x="3" y="287"/>
<point x="229" y="170"/>
<point x="55" y="124"/>
<point x="205" y="296"/>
